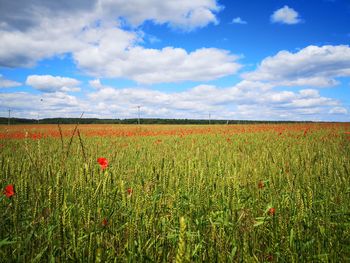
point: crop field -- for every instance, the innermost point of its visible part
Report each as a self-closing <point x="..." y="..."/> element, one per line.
<point x="211" y="193"/>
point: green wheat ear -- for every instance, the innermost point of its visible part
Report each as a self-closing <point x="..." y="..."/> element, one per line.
<point x="181" y="250"/>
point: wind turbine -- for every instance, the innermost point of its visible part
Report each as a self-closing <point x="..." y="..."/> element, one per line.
<point x="138" y="115"/>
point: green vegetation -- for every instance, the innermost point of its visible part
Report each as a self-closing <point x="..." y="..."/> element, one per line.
<point x="196" y="198"/>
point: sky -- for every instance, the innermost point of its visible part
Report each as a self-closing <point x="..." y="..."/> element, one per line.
<point x="236" y="60"/>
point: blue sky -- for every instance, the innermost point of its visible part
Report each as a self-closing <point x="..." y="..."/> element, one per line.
<point x="255" y="60"/>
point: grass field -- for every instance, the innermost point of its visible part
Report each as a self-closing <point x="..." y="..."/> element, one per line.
<point x="230" y="193"/>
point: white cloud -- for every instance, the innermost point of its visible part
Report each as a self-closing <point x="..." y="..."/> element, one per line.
<point x="34" y="30"/>
<point x="309" y="93"/>
<point x="114" y="53"/>
<point x="56" y="104"/>
<point x="48" y="83"/>
<point x="311" y="102"/>
<point x="7" y="83"/>
<point x="100" y="47"/>
<point x="238" y="20"/>
<point x="285" y="15"/>
<point x="312" y="66"/>
<point x="152" y="39"/>
<point x="49" y="38"/>
<point x="95" y="83"/>
<point x="183" y="14"/>
<point x="338" y="110"/>
<point x="282" y="97"/>
<point x="246" y="100"/>
<point x="23" y="15"/>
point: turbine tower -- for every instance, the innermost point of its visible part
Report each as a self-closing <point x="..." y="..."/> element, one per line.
<point x="138" y="114"/>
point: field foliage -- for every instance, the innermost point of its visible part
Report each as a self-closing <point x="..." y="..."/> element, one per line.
<point x="229" y="193"/>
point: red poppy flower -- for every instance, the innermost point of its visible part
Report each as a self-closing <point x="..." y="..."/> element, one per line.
<point x="272" y="211"/>
<point x="261" y="184"/>
<point x="104" y="222"/>
<point x="129" y="191"/>
<point x="103" y="162"/>
<point x="9" y="190"/>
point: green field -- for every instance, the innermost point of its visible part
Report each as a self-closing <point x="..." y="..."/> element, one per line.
<point x="234" y="193"/>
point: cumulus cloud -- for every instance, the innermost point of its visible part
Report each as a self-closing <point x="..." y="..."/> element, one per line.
<point x="338" y="110"/>
<point x="55" y="104"/>
<point x="238" y="20"/>
<point x="285" y="15"/>
<point x="93" y="35"/>
<point x="311" y="102"/>
<point x="49" y="38"/>
<point x="7" y="83"/>
<point x="48" y="83"/>
<point x="22" y="14"/>
<point x="245" y="100"/>
<point x="183" y="14"/>
<point x="312" y="66"/>
<point x="152" y="65"/>
<point x="96" y="83"/>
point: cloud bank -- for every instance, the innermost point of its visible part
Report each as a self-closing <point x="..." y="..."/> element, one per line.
<point x="93" y="34"/>
<point x="245" y="100"/>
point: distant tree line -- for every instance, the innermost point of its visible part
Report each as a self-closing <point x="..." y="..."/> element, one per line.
<point x="4" y="120"/>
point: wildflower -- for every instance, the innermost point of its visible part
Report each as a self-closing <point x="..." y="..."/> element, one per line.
<point x="129" y="191"/>
<point x="9" y="190"/>
<point x="261" y="184"/>
<point x="103" y="162"/>
<point x="104" y="222"/>
<point x="272" y="211"/>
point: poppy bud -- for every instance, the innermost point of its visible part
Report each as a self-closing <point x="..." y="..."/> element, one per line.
<point x="104" y="222"/>
<point x="261" y="184"/>
<point x="129" y="191"/>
